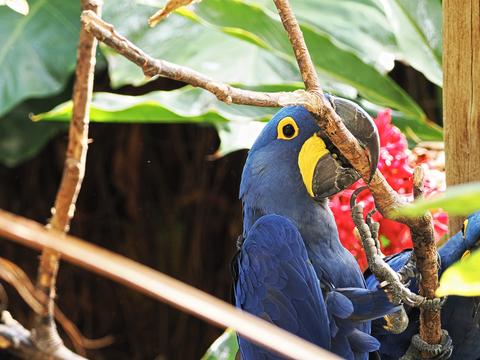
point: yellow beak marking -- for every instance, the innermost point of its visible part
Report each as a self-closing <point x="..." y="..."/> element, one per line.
<point x="310" y="153"/>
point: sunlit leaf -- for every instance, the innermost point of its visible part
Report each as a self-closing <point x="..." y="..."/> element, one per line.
<point x="417" y="25"/>
<point x="224" y="348"/>
<point x="462" y="278"/>
<point x="186" y="43"/>
<point x="372" y="40"/>
<point x="256" y="25"/>
<point x="456" y="200"/>
<point x="20" y="6"/>
<point x="37" y="51"/>
<point x="237" y="125"/>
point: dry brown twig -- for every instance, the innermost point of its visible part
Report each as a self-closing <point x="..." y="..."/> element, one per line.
<point x="387" y="200"/>
<point x="44" y="340"/>
<point x="35" y="298"/>
<point x="169" y="7"/>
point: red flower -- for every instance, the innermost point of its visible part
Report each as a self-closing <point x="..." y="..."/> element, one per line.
<point x="396" y="164"/>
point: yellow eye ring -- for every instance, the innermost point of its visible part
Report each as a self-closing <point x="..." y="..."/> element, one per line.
<point x="287" y="129"/>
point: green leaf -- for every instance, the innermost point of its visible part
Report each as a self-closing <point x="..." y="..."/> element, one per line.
<point x="462" y="278"/>
<point x="37" y="51"/>
<point x="238" y="126"/>
<point x="186" y="105"/>
<point x="456" y="200"/>
<point x="224" y="348"/>
<point x="416" y="130"/>
<point x="258" y="26"/>
<point x="417" y="25"/>
<point x="20" y="6"/>
<point x="183" y="42"/>
<point x="20" y="138"/>
<point x="373" y="40"/>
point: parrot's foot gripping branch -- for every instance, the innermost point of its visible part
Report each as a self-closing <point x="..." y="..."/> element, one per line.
<point x="395" y="284"/>
<point x="440" y="351"/>
<point x="392" y="282"/>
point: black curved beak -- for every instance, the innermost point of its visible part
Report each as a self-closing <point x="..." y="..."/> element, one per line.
<point x="333" y="172"/>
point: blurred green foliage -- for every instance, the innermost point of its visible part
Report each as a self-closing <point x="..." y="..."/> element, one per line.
<point x="456" y="200"/>
<point x="224" y="348"/>
<point x="462" y="278"/>
<point x="353" y="43"/>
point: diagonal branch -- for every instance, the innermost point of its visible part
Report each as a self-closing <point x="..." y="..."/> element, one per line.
<point x="159" y="286"/>
<point x="305" y="64"/>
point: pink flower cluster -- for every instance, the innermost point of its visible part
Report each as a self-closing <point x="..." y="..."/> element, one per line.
<point x="396" y="163"/>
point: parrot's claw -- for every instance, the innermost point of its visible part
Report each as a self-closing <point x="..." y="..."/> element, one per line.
<point x="396" y="322"/>
<point x="409" y="270"/>
<point x="393" y="283"/>
<point x="433" y="304"/>
<point x="400" y="294"/>
<point x="441" y="351"/>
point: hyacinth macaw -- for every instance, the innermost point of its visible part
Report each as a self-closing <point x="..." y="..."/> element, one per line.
<point x="291" y="268"/>
<point x="460" y="315"/>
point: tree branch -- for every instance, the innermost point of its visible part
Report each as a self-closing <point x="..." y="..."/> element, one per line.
<point x="426" y="259"/>
<point x="305" y="64"/>
<point x="44" y="336"/>
<point x="106" y="33"/>
<point x="169" y="7"/>
<point x="386" y="199"/>
<point x="159" y="286"/>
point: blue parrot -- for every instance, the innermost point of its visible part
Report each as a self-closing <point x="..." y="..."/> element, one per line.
<point x="460" y="315"/>
<point x="291" y="268"/>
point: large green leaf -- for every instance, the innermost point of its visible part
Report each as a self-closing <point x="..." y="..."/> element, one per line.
<point x="258" y="26"/>
<point x="224" y="348"/>
<point x="417" y="25"/>
<point x="237" y="125"/>
<point x="186" y="43"/>
<point x="37" y="51"/>
<point x="187" y="105"/>
<point x="462" y="278"/>
<point x="456" y="200"/>
<point x="345" y="21"/>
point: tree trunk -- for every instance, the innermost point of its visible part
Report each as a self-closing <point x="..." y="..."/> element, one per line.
<point x="461" y="93"/>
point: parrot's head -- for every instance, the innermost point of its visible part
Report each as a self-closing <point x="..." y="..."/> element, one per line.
<point x="291" y="160"/>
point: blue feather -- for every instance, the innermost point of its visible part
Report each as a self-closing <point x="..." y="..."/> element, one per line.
<point x="292" y="299"/>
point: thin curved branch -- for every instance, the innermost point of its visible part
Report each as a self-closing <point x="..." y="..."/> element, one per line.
<point x="107" y="34"/>
<point x="304" y="60"/>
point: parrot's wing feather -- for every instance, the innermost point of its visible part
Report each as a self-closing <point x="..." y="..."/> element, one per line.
<point x="277" y="283"/>
<point x="368" y="304"/>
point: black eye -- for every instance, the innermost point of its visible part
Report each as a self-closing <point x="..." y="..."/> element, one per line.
<point x="288" y="131"/>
